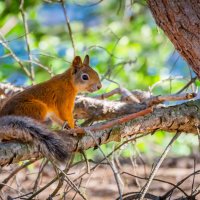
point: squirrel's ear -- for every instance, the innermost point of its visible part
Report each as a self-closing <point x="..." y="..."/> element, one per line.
<point x="86" y="60"/>
<point x="77" y="62"/>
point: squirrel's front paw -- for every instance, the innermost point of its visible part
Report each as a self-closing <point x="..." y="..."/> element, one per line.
<point x="65" y="126"/>
<point x="72" y="131"/>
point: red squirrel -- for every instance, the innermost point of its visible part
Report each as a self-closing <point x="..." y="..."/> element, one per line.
<point x="21" y="115"/>
<point x="55" y="98"/>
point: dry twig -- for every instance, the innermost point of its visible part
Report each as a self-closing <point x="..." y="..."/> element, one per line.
<point x="68" y="26"/>
<point x="157" y="166"/>
<point x="4" y="43"/>
<point x="27" y="39"/>
<point x="12" y="174"/>
<point x="39" y="174"/>
<point x="115" y="172"/>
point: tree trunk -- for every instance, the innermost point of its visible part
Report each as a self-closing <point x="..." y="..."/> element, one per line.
<point x="180" y="21"/>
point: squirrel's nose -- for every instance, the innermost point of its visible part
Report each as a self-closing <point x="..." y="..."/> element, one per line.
<point x="99" y="86"/>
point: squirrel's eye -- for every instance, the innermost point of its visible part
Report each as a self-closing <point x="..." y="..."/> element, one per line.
<point x="85" y="77"/>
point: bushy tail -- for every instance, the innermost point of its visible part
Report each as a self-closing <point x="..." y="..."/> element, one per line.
<point x="28" y="130"/>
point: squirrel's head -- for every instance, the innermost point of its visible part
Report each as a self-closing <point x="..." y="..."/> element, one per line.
<point x="84" y="77"/>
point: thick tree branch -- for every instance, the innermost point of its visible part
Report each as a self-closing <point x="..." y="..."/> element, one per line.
<point x="86" y="107"/>
<point x="182" y="118"/>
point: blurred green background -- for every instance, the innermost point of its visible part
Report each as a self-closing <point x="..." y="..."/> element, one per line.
<point x="125" y="46"/>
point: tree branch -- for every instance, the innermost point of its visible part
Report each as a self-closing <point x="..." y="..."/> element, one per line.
<point x="181" y="118"/>
<point x="21" y="8"/>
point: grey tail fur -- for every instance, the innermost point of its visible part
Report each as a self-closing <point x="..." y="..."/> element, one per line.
<point x="30" y="131"/>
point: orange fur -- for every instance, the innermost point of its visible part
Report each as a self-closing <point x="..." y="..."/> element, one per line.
<point x="54" y="98"/>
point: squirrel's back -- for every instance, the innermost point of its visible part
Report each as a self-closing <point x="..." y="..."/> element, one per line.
<point x="45" y="93"/>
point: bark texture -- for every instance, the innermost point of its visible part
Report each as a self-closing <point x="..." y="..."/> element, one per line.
<point x="86" y="107"/>
<point x="182" y="118"/>
<point x="180" y="21"/>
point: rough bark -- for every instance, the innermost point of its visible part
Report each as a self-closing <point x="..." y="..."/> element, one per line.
<point x="183" y="118"/>
<point x="86" y="107"/>
<point x="180" y="21"/>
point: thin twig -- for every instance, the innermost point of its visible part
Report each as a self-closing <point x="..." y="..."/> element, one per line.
<point x="159" y="180"/>
<point x="68" y="26"/>
<point x="187" y="85"/>
<point x="136" y="195"/>
<point x="117" y="148"/>
<point x="12" y="188"/>
<point x="73" y="185"/>
<point x="5" y="56"/>
<point x="152" y="100"/>
<point x="122" y="91"/>
<point x="172" y="97"/>
<point x="86" y="162"/>
<point x="157" y="166"/>
<point x="115" y="172"/>
<point x="108" y="94"/>
<point x="110" y="68"/>
<point x="134" y="164"/>
<point x="167" y="194"/>
<point x="78" y="187"/>
<point x="60" y="184"/>
<point x="41" y="66"/>
<point x="50" y="56"/>
<point x="16" y="38"/>
<point x="27" y="39"/>
<point x="118" y="177"/>
<point x="61" y="178"/>
<point x="167" y="79"/>
<point x="44" y="163"/>
<point x="2" y="184"/>
<point x="4" y="43"/>
<point x="22" y="196"/>
<point x="43" y="188"/>
<point x="193" y="180"/>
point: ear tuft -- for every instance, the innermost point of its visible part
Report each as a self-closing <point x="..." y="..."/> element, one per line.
<point x="77" y="62"/>
<point x="86" y="60"/>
